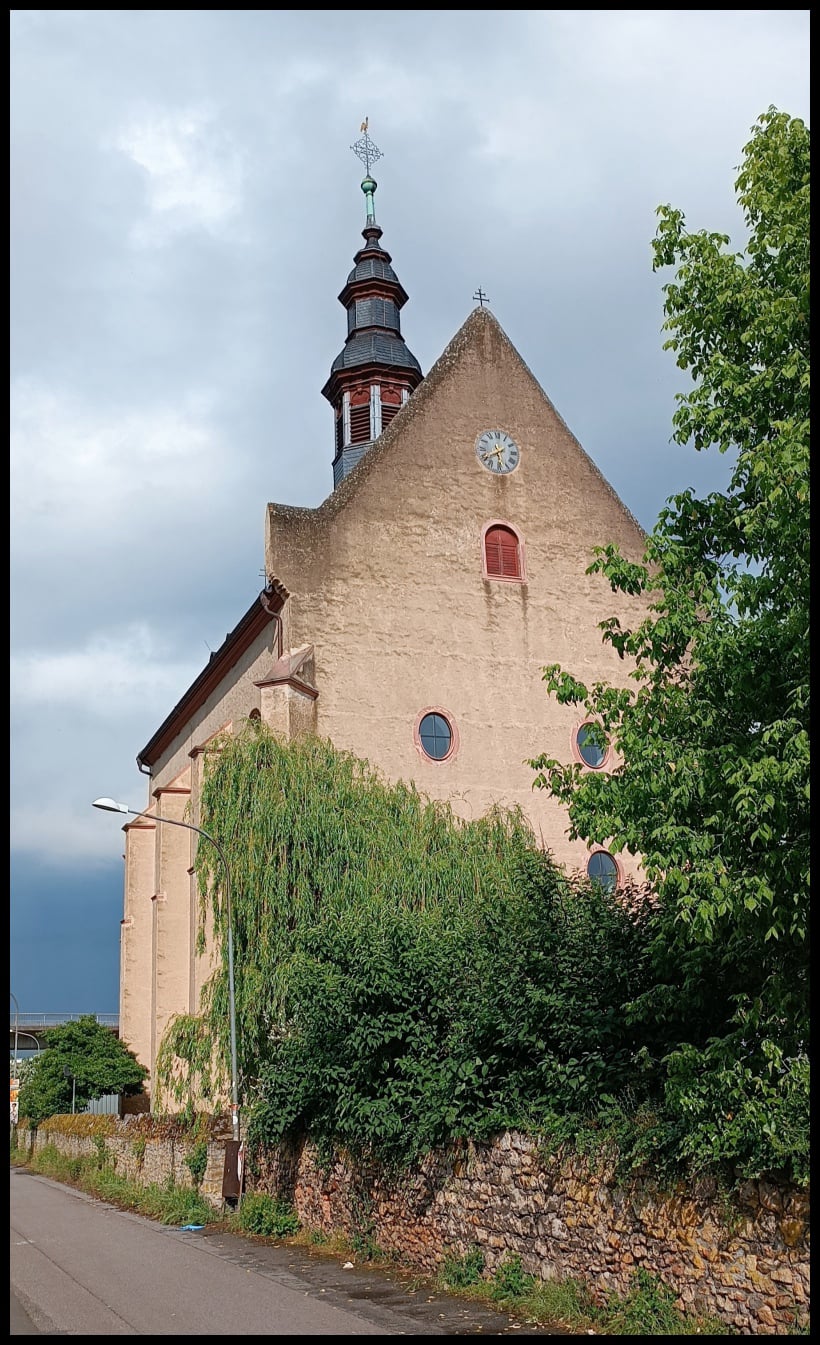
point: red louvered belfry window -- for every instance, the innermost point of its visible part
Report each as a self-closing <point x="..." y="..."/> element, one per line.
<point x="360" y="424"/>
<point x="502" y="553"/>
<point x="388" y="412"/>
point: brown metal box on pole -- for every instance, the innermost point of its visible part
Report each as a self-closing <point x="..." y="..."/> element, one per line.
<point x="232" y="1173"/>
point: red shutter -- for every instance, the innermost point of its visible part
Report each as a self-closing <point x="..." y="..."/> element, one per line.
<point x="360" y="424"/>
<point x="502" y="553"/>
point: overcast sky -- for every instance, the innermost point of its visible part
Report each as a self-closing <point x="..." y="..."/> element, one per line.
<point x="185" y="208"/>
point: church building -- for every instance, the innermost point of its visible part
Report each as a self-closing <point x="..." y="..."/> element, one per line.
<point x="407" y="619"/>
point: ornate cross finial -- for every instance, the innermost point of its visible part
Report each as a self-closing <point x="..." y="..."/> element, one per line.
<point x="481" y="297"/>
<point x="365" y="149"/>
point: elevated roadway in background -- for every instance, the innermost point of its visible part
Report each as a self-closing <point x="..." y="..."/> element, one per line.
<point x="34" y="1025"/>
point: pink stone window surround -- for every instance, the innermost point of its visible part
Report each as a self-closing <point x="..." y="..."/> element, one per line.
<point x="490" y="571"/>
<point x="602" y="850"/>
<point x="579" y="757"/>
<point x="454" y="736"/>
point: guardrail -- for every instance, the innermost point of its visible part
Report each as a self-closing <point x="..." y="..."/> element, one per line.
<point x="43" y="1020"/>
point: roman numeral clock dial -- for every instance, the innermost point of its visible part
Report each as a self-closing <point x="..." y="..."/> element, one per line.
<point x="497" y="451"/>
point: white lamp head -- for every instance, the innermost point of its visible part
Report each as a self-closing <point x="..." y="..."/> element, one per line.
<point x="110" y="806"/>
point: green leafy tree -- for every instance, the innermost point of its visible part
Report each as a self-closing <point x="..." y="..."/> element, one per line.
<point x="404" y="979"/>
<point x="401" y="976"/>
<point x="82" y="1059"/>
<point x="712" y="737"/>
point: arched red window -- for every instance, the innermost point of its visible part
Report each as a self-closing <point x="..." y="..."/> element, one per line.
<point x="502" y="553"/>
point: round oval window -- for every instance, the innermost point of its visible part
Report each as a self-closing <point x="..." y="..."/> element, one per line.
<point x="592" y="754"/>
<point x="436" y="736"/>
<point x="601" y="868"/>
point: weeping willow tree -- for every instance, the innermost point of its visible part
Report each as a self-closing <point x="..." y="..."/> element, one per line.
<point x="316" y="839"/>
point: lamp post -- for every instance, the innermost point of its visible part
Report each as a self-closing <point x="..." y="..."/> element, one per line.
<point x="111" y="806"/>
<point x="68" y="1075"/>
<point x="38" y="1048"/>
<point x="16" y="1022"/>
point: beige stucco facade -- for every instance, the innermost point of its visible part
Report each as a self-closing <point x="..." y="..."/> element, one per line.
<point x="378" y="609"/>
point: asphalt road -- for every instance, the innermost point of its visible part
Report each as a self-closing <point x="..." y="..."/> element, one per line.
<point x="82" y="1267"/>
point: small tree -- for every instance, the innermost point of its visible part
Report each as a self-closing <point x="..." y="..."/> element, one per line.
<point x="82" y="1059"/>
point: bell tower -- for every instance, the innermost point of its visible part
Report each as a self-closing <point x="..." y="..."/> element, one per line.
<point x="374" y="373"/>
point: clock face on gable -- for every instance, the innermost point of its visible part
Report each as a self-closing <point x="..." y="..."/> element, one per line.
<point x="497" y="451"/>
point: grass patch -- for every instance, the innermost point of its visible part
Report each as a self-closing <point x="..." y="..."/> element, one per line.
<point x="167" y="1204"/>
<point x="567" y="1301"/>
<point x="460" y="1272"/>
<point x="265" y="1216"/>
<point x="333" y="1244"/>
<point x="801" y="1325"/>
<point x="510" y="1282"/>
<point x="646" y="1309"/>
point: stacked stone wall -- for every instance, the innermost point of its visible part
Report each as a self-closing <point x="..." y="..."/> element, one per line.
<point x="743" y="1259"/>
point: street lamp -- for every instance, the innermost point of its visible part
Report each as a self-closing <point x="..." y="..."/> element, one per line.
<point x="111" y="806"/>
<point x="38" y="1048"/>
<point x="16" y="1021"/>
<point x="68" y="1075"/>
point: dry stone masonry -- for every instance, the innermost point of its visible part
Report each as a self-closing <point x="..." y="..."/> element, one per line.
<point x="743" y="1259"/>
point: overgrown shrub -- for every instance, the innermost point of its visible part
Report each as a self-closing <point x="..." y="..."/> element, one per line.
<point x="405" y="980"/>
<point x="510" y="1280"/>
<point x="266" y="1216"/>
<point x="646" y="1309"/>
<point x="459" y="1272"/>
<point x="101" y="1150"/>
<point x="196" y="1161"/>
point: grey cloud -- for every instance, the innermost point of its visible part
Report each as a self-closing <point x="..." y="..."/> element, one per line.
<point x="518" y="155"/>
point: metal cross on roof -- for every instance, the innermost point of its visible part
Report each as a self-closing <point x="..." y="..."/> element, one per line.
<point x="481" y="297"/>
<point x="365" y="149"/>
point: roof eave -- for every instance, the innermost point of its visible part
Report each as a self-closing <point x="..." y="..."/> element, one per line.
<point x="265" y="608"/>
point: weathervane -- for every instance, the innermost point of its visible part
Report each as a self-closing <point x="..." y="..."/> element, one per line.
<point x="365" y="149"/>
<point x="481" y="297"/>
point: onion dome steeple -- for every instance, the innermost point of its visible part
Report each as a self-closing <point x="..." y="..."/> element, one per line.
<point x="374" y="373"/>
